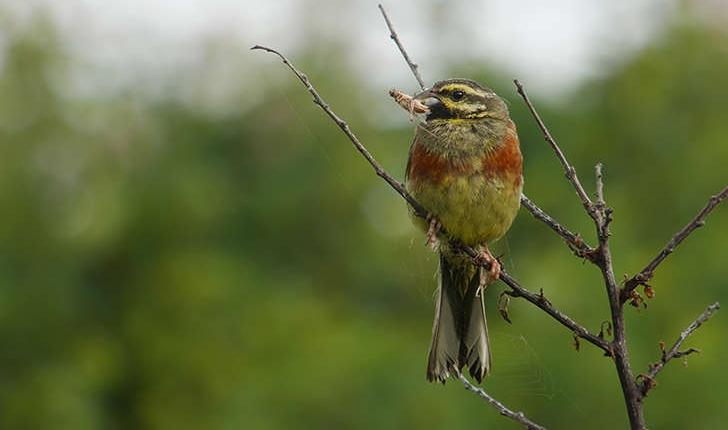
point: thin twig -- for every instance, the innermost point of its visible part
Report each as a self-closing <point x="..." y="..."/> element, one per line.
<point x="574" y="240"/>
<point x="599" y="184"/>
<point x="569" y="169"/>
<point x="648" y="272"/>
<point x="393" y="35"/>
<point x="517" y="416"/>
<point x="648" y="380"/>
<point x="399" y="187"/>
<point x="544" y="304"/>
<point x="605" y="213"/>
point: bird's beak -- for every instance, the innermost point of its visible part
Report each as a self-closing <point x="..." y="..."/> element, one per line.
<point x="427" y="97"/>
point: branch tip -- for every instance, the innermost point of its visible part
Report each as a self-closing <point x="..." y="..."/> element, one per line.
<point x="698" y="221"/>
<point x="568" y="169"/>
<point x="393" y="35"/>
<point x="674" y="351"/>
<point x="516" y="416"/>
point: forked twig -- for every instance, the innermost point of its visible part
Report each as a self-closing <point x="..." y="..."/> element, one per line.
<point x="648" y="380"/>
<point x="541" y="302"/>
<point x="648" y="272"/>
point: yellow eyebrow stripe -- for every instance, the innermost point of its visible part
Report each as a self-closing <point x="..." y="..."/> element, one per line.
<point x="464" y="88"/>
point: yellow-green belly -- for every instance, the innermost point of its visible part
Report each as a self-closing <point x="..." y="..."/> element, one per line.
<point x="474" y="209"/>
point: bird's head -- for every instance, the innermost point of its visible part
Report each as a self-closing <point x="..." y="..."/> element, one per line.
<point x="462" y="99"/>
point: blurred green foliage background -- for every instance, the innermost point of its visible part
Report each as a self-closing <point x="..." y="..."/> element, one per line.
<point x="165" y="266"/>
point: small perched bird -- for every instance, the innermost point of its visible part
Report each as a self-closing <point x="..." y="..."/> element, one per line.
<point x="465" y="169"/>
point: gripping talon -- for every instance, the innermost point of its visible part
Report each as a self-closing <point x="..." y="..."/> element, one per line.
<point x="435" y="227"/>
<point x="488" y="277"/>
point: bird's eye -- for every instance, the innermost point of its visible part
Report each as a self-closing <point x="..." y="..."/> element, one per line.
<point x="457" y="95"/>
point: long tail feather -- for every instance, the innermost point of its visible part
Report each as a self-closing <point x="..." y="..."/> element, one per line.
<point x="459" y="332"/>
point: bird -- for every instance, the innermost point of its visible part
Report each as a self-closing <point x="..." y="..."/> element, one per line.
<point x="466" y="169"/>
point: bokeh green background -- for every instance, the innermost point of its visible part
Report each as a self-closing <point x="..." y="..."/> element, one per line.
<point x="168" y="265"/>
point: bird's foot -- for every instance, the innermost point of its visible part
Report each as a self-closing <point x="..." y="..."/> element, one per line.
<point x="488" y="277"/>
<point x="435" y="227"/>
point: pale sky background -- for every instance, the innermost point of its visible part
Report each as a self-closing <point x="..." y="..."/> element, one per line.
<point x="549" y="45"/>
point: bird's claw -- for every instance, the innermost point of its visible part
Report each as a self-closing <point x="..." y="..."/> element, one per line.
<point x="488" y="277"/>
<point x="435" y="227"/>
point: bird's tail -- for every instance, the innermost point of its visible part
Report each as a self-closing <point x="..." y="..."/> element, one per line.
<point x="459" y="333"/>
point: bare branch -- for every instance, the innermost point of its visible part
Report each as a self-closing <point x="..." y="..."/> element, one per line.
<point x="648" y="272"/>
<point x="398" y="186"/>
<point x="574" y="240"/>
<point x="516" y="416"/>
<point x="542" y="302"/>
<point x="648" y="380"/>
<point x="393" y="35"/>
<point x="685" y="353"/>
<point x="569" y="169"/>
